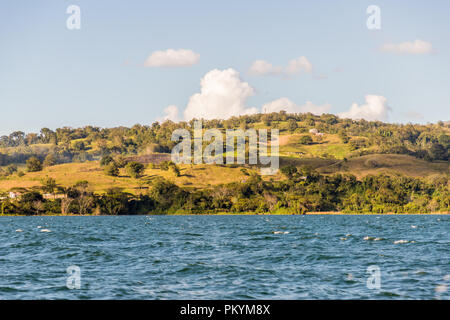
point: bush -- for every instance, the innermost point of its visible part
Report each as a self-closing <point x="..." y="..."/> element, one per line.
<point x="111" y="169"/>
<point x="292" y="125"/>
<point x="358" y="143"/>
<point x="79" y="146"/>
<point x="135" y="169"/>
<point x="34" y="164"/>
<point x="305" y="140"/>
<point x="289" y="170"/>
<point x="50" y="160"/>
<point x="11" y="169"/>
<point x="106" y="160"/>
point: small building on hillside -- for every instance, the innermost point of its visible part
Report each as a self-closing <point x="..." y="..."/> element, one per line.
<point x="15" y="194"/>
<point x="316" y="132"/>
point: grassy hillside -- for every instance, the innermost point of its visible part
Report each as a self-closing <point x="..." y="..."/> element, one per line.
<point x="199" y="176"/>
<point x="325" y="143"/>
<point x="204" y="176"/>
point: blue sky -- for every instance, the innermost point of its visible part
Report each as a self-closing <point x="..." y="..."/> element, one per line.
<point x="51" y="76"/>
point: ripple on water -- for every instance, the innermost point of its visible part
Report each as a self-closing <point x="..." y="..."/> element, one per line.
<point x="225" y="257"/>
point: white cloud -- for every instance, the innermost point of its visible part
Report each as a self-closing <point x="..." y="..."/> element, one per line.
<point x="416" y="47"/>
<point x="262" y="67"/>
<point x="222" y="95"/>
<point x="376" y="108"/>
<point x="171" y="113"/>
<point x="172" y="58"/>
<point x="295" y="66"/>
<point x="298" y="65"/>
<point x="290" y="107"/>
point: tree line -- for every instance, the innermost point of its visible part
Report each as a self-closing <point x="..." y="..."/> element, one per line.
<point x="303" y="190"/>
<point x="429" y="142"/>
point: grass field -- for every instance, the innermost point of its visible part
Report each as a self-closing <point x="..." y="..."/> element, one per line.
<point x="328" y="146"/>
<point x="203" y="176"/>
<point x="199" y="176"/>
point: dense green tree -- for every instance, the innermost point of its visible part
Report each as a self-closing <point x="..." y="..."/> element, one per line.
<point x="438" y="152"/>
<point x="34" y="164"/>
<point x="305" y="139"/>
<point x="12" y="168"/>
<point x="107" y="159"/>
<point x="288" y="171"/>
<point x="135" y="169"/>
<point x="292" y="125"/>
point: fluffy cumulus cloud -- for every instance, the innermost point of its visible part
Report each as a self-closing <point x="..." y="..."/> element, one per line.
<point x="295" y="66"/>
<point x="415" y="47"/>
<point x="172" y="58"/>
<point x="170" y="113"/>
<point x="290" y="107"/>
<point x="222" y="95"/>
<point x="375" y="108"/>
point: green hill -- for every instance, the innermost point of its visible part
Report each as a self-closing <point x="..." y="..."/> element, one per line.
<point x="317" y="154"/>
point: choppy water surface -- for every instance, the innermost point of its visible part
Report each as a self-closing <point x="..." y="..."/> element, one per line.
<point x="225" y="257"/>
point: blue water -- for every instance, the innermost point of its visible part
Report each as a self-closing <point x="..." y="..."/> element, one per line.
<point x="225" y="257"/>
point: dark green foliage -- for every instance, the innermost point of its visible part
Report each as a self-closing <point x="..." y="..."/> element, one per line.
<point x="305" y="139"/>
<point x="438" y="152"/>
<point x="135" y="169"/>
<point x="106" y="160"/>
<point x="289" y="170"/>
<point x="87" y="143"/>
<point x="304" y="191"/>
<point x="358" y="143"/>
<point x="111" y="169"/>
<point x="34" y="164"/>
<point x="79" y="146"/>
<point x="12" y="168"/>
<point x="344" y="137"/>
<point x="292" y="125"/>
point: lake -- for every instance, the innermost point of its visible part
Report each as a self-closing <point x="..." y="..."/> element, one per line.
<point x="225" y="257"/>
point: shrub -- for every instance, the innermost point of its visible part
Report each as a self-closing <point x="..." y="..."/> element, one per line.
<point x="50" y="160"/>
<point x="34" y="164"/>
<point x="11" y="169"/>
<point x="111" y="169"/>
<point x="305" y="139"/>
<point x="135" y="169"/>
<point x="79" y="146"/>
<point x="289" y="170"/>
<point x="106" y="160"/>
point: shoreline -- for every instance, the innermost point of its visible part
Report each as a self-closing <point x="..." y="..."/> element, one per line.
<point x="330" y="213"/>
